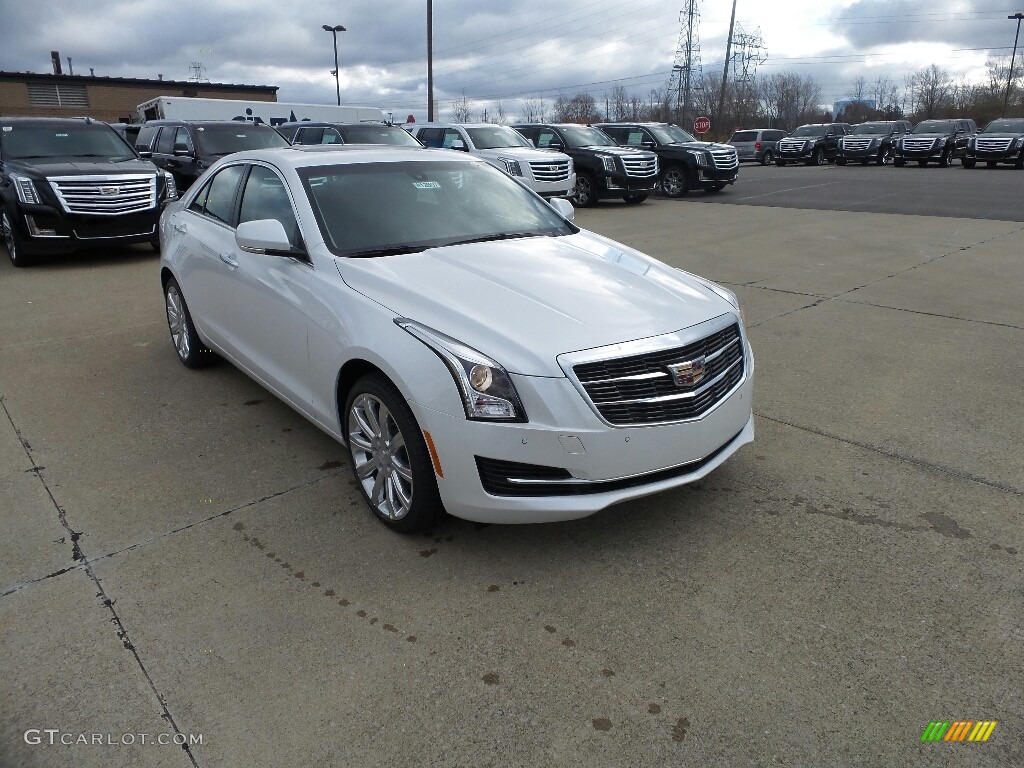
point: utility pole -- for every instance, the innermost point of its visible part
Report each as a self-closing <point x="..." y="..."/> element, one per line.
<point x="1009" y="78"/>
<point x="725" y="70"/>
<point x="430" y="61"/>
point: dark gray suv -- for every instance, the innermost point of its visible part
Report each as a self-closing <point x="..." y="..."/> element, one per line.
<point x="757" y="144"/>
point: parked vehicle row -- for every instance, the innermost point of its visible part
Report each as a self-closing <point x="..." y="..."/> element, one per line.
<point x="872" y="142"/>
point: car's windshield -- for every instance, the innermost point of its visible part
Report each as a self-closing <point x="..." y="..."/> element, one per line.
<point x="670" y="134"/>
<point x="934" y="126"/>
<point x="377" y="134"/>
<point x="225" y="139"/>
<point x="497" y="137"/>
<point x="809" y="130"/>
<point x="1010" y="125"/>
<point x="377" y="209"/>
<point x="69" y="140"/>
<point x="872" y="128"/>
<point x="581" y="136"/>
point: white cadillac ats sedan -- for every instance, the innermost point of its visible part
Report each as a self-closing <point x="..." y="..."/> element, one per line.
<point x="476" y="351"/>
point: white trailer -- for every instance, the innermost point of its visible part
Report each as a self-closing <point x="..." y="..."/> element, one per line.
<point x="270" y="112"/>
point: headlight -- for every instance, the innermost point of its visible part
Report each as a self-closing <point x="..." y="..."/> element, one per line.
<point x="170" y="185"/>
<point x="25" y="188"/>
<point x="699" y="156"/>
<point x="512" y="167"/>
<point x="609" y="163"/>
<point x="487" y="391"/>
<point x="1019" y="144"/>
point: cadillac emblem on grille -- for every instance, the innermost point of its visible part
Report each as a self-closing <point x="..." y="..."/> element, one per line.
<point x="688" y="373"/>
<point x="110" y="190"/>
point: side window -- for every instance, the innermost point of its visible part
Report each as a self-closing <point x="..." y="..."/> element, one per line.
<point x="181" y="137"/>
<point x="331" y="136"/>
<point x="546" y="137"/>
<point x="530" y="134"/>
<point x="146" y="138"/>
<point x="264" y="197"/>
<point x="309" y="135"/>
<point x="165" y="144"/>
<point x="431" y="137"/>
<point x="449" y="137"/>
<point x="220" y="200"/>
<point x="634" y="137"/>
<point x="199" y="203"/>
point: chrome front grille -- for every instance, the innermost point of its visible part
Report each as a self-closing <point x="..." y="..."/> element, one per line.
<point x="792" y="145"/>
<point x="640" y="389"/>
<point x="993" y="144"/>
<point x="640" y="166"/>
<point x="857" y="144"/>
<point x="917" y="145"/>
<point x="557" y="170"/>
<point x="106" y="195"/>
<point x="725" y="159"/>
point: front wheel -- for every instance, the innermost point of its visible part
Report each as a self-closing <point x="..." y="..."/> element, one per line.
<point x="884" y="156"/>
<point x="13" y="242"/>
<point x="946" y="160"/>
<point x="766" y="158"/>
<point x="190" y="348"/>
<point x="585" y="194"/>
<point x="818" y="158"/>
<point x="674" y="182"/>
<point x="968" y="162"/>
<point x="390" y="461"/>
<point x="633" y="198"/>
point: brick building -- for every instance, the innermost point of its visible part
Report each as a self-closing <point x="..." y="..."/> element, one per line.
<point x="111" y="99"/>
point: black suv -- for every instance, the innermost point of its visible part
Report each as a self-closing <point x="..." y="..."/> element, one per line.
<point x="68" y="183"/>
<point x="813" y="144"/>
<point x="186" y="148"/>
<point x="686" y="163"/>
<point x="1001" y="141"/>
<point x="874" y="141"/>
<point x="940" y="140"/>
<point x="603" y="168"/>
<point x="347" y="133"/>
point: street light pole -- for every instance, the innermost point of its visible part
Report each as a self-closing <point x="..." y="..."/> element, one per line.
<point x="430" y="61"/>
<point x="1009" y="78"/>
<point x="334" y="31"/>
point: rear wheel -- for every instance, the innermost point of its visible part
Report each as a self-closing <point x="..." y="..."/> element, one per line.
<point x="967" y="162"/>
<point x="390" y="461"/>
<point x="634" y="197"/>
<point x="674" y="182"/>
<point x="13" y="242"/>
<point x="766" y="158"/>
<point x="585" y="194"/>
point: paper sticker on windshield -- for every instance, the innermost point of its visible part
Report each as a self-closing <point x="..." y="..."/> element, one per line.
<point x="426" y="185"/>
<point x="61" y="135"/>
<point x="8" y="128"/>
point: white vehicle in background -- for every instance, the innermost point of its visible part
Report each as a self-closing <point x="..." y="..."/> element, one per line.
<point x="546" y="172"/>
<point x="269" y="112"/>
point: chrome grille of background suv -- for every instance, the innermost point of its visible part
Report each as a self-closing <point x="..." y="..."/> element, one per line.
<point x="640" y="166"/>
<point x="555" y="170"/>
<point x="106" y="195"/>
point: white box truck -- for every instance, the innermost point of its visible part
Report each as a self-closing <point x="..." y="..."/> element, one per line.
<point x="270" y="112"/>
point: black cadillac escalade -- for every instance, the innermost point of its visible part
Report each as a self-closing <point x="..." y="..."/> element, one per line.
<point x="71" y="183"/>
<point x="1001" y="141"/>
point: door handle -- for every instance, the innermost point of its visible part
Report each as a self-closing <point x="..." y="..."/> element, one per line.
<point x="182" y="228"/>
<point x="228" y="259"/>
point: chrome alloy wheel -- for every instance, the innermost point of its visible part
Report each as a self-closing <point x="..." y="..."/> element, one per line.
<point x="380" y="457"/>
<point x="177" y="321"/>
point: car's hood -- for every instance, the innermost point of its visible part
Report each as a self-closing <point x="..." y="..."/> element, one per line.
<point x="708" y="145"/>
<point x="70" y="166"/>
<point x="629" y="151"/>
<point x="520" y="153"/>
<point x="927" y="135"/>
<point x="524" y="302"/>
<point x="1000" y="135"/>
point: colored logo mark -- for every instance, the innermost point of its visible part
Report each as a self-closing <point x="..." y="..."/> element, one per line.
<point x="958" y="730"/>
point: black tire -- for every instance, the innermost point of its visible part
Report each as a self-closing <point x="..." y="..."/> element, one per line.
<point x="13" y="242"/>
<point x="884" y="156"/>
<point x="585" y="193"/>
<point x="154" y="243"/>
<point x="674" y="182"/>
<point x="968" y="162"/>
<point x="397" y="483"/>
<point x="634" y="198"/>
<point x="840" y="161"/>
<point x="817" y="157"/>
<point x="191" y="349"/>
<point x="766" y="158"/>
<point x="899" y="162"/>
<point x="1019" y="165"/>
<point x="946" y="159"/>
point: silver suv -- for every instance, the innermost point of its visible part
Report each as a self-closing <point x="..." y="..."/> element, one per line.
<point x="757" y="144"/>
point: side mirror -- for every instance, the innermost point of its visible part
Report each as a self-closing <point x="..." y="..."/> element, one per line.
<point x="563" y="208"/>
<point x="555" y="145"/>
<point x="181" y="149"/>
<point x="144" y="153"/>
<point x="648" y="144"/>
<point x="460" y="145"/>
<point x="263" y="236"/>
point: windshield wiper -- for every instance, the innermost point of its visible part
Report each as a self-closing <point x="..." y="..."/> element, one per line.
<point x="496" y="236"/>
<point x="387" y="250"/>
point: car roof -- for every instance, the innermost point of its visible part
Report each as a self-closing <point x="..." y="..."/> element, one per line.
<point x="303" y="156"/>
<point x="235" y="123"/>
<point x="51" y="120"/>
<point x="460" y="125"/>
<point x="333" y="124"/>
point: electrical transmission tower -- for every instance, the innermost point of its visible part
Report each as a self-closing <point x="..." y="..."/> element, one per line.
<point x="686" y="67"/>
<point x="198" y="73"/>
<point x="748" y="52"/>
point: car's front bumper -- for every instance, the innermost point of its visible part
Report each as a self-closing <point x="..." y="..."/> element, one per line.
<point x="45" y="230"/>
<point x="994" y="156"/>
<point x="553" y="188"/>
<point x="564" y="432"/>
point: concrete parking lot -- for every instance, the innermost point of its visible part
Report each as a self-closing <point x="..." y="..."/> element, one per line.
<point x="184" y="557"/>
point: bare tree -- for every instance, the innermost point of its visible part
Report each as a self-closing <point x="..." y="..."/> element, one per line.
<point x="931" y="91"/>
<point x="534" y="110"/>
<point x="788" y="99"/>
<point x="461" y="110"/>
<point x="619" y="104"/>
<point x="500" y="116"/>
<point x="581" y="108"/>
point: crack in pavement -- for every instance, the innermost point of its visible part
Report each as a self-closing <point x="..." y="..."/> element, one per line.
<point x="122" y="632"/>
<point x="894" y="454"/>
<point x="933" y="314"/>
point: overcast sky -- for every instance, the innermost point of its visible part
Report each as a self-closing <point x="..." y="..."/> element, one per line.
<point x="488" y="50"/>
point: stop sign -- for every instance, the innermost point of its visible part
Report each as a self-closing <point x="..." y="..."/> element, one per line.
<point x="702" y="125"/>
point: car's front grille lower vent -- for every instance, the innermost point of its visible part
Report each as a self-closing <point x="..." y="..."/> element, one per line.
<point x="106" y="195"/>
<point x="550" y="171"/>
<point x="641" y="389"/>
<point x="640" y="166"/>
